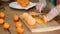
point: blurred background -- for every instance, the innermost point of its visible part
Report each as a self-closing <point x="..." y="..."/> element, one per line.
<point x="54" y="2"/>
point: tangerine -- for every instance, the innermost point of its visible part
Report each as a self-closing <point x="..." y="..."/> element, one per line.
<point x="6" y="25"/>
<point x="18" y="24"/>
<point x="15" y="17"/>
<point x="2" y="14"/>
<point x="1" y="21"/>
<point x="19" y="30"/>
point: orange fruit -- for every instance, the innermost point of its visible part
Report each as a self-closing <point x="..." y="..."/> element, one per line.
<point x="6" y="25"/>
<point x="2" y="14"/>
<point x="15" y="17"/>
<point x="19" y="2"/>
<point x="44" y="18"/>
<point x="19" y="30"/>
<point x="33" y="14"/>
<point x="39" y="21"/>
<point x="18" y="24"/>
<point x="23" y="3"/>
<point x="1" y="21"/>
<point x="27" y="2"/>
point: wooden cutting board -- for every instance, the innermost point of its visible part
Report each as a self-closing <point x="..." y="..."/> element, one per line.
<point x="49" y="26"/>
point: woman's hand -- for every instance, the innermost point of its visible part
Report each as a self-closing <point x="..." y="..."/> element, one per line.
<point x="41" y="5"/>
<point x="53" y="13"/>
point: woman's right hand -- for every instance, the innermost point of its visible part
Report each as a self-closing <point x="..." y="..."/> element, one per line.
<point x="41" y="5"/>
<point x="53" y="13"/>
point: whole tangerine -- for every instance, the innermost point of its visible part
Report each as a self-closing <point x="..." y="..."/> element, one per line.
<point x="1" y="21"/>
<point x="2" y="15"/>
<point x="6" y="25"/>
<point x="19" y="30"/>
<point x="15" y="17"/>
<point x="18" y="24"/>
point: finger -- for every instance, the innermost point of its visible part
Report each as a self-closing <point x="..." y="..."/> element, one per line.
<point x="37" y="7"/>
<point x="40" y="9"/>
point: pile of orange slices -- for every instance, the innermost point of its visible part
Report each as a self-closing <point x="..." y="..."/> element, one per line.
<point x="23" y="3"/>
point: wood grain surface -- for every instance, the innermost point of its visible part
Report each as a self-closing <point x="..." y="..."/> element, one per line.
<point x="9" y="12"/>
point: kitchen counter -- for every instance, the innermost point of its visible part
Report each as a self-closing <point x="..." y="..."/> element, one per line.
<point x="9" y="12"/>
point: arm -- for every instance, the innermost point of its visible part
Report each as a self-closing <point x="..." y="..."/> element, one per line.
<point x="53" y="13"/>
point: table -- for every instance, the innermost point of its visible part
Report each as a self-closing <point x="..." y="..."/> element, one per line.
<point x="9" y="12"/>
